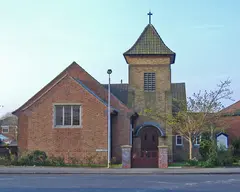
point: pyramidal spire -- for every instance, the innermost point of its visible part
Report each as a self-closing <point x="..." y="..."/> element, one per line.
<point x="150" y="43"/>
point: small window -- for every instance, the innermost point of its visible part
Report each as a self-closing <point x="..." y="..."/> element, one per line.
<point x="5" y="129"/>
<point x="179" y="140"/>
<point x="145" y="136"/>
<point x="149" y="82"/>
<point x="67" y="115"/>
<point x="197" y="140"/>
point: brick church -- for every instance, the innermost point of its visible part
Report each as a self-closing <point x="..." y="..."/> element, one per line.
<point x="68" y="117"/>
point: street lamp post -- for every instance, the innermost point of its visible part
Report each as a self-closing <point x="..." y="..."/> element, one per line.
<point x="109" y="71"/>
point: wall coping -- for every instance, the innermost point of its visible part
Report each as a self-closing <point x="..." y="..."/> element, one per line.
<point x="163" y="146"/>
<point x="126" y="146"/>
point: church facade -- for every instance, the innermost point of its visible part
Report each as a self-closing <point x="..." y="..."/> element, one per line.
<point x="68" y="117"/>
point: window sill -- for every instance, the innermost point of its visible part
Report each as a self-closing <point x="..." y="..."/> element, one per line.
<point x="68" y="127"/>
<point x="196" y="146"/>
<point x="178" y="145"/>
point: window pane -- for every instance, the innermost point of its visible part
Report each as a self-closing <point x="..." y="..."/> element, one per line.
<point x="67" y="115"/>
<point x="197" y="140"/>
<point x="179" y="140"/>
<point x="5" y="130"/>
<point x="76" y="115"/>
<point x="59" y="115"/>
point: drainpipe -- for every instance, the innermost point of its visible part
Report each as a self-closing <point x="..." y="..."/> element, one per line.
<point x="131" y="133"/>
<point x="131" y="130"/>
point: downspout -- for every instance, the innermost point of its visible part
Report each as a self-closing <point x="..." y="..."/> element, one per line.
<point x="131" y="130"/>
<point x="131" y="133"/>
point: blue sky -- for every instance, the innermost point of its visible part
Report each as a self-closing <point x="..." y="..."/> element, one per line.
<point x="38" y="39"/>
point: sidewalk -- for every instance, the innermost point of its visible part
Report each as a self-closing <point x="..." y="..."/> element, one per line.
<point x="119" y="171"/>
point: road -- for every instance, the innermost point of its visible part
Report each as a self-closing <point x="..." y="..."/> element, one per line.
<point x="120" y="183"/>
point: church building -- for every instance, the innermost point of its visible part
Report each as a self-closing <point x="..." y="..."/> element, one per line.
<point x="68" y="117"/>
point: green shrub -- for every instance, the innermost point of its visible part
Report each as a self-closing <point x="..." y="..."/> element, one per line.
<point x="225" y="157"/>
<point x="218" y="157"/>
<point x="236" y="147"/>
<point x="38" y="158"/>
<point x="192" y="162"/>
<point x="204" y="149"/>
<point x="212" y="157"/>
<point x="4" y="160"/>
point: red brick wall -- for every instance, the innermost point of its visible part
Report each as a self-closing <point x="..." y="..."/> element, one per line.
<point x="121" y="123"/>
<point x="120" y="134"/>
<point x="22" y="131"/>
<point x="232" y="125"/>
<point x="38" y="132"/>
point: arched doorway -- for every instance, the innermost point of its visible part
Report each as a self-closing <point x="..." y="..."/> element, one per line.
<point x="149" y="139"/>
<point x="145" y="147"/>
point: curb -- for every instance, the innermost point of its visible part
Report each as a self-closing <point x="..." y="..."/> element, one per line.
<point x="116" y="171"/>
<point x="99" y="173"/>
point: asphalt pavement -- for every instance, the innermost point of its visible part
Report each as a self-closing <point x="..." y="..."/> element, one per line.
<point x="119" y="183"/>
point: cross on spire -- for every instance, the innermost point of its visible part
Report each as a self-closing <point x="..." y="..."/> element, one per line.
<point x="149" y="15"/>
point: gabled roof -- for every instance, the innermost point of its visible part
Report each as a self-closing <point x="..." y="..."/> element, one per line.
<point x="150" y="43"/>
<point x="81" y="77"/>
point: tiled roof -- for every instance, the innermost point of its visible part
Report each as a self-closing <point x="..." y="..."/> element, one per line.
<point x="11" y="120"/>
<point x="178" y="91"/>
<point x="77" y="72"/>
<point x="91" y="92"/>
<point x="234" y="108"/>
<point x="121" y="91"/>
<point x="150" y="43"/>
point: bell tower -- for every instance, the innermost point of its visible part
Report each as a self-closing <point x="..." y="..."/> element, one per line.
<point x="149" y="61"/>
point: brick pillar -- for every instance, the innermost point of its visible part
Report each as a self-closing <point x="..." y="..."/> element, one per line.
<point x="163" y="156"/>
<point x="126" y="156"/>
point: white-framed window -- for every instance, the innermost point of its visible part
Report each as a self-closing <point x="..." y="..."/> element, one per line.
<point x="179" y="140"/>
<point x="67" y="115"/>
<point x="5" y="129"/>
<point x="197" y="140"/>
<point x="149" y="82"/>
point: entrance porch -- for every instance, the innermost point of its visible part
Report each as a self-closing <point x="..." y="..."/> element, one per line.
<point x="146" y="150"/>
